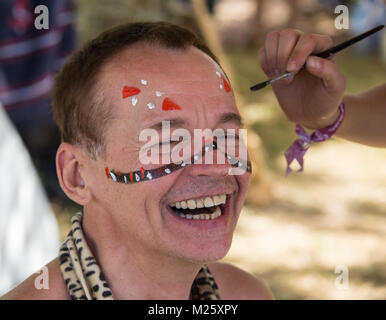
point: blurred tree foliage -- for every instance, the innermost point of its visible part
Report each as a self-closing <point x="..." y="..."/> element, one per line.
<point x="94" y="17"/>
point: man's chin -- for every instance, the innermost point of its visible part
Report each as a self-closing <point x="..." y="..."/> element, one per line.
<point x="204" y="252"/>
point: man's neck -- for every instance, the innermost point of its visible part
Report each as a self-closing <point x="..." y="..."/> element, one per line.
<point x="134" y="272"/>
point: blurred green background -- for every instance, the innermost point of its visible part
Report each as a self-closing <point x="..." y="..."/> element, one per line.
<point x="332" y="214"/>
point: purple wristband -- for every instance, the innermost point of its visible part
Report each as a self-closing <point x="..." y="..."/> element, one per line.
<point x="299" y="148"/>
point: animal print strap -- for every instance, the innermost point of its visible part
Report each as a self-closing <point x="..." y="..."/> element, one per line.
<point x="84" y="278"/>
<point x="81" y="273"/>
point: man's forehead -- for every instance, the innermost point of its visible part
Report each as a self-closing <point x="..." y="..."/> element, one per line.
<point x="167" y="85"/>
<point x="189" y="107"/>
<point x="162" y="64"/>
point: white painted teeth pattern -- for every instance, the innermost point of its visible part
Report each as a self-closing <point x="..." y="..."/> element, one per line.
<point x="112" y="175"/>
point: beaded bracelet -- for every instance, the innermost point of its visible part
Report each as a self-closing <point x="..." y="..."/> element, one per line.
<point x="299" y="147"/>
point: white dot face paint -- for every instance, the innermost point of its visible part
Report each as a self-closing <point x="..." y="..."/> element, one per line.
<point x="134" y="101"/>
<point x="221" y="86"/>
<point x="151" y="105"/>
<point x="112" y="175"/>
<point x="158" y="93"/>
<point x="218" y="74"/>
<point x="144" y="82"/>
<point x="167" y="170"/>
<point x="149" y="176"/>
<point x="137" y="177"/>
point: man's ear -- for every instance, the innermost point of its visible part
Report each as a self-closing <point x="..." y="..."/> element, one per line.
<point x="67" y="167"/>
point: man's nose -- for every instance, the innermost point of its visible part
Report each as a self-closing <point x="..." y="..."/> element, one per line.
<point x="210" y="162"/>
<point x="213" y="169"/>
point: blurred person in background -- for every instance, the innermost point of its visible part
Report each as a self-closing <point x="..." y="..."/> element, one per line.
<point x="29" y="59"/>
<point x="29" y="234"/>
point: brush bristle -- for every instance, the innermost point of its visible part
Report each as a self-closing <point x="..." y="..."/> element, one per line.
<point x="259" y="86"/>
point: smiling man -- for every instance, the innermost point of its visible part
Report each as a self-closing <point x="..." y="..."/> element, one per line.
<point x="153" y="230"/>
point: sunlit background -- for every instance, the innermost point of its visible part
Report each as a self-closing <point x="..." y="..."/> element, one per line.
<point x="293" y="232"/>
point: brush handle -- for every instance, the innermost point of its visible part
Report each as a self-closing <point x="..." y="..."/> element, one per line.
<point x="325" y="54"/>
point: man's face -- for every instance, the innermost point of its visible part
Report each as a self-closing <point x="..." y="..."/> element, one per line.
<point x="145" y="213"/>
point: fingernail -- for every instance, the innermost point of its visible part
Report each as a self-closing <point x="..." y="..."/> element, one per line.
<point x="314" y="63"/>
<point x="291" y="66"/>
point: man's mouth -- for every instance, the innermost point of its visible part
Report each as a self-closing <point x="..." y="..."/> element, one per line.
<point x="207" y="208"/>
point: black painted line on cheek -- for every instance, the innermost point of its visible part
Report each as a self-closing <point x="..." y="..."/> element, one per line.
<point x="147" y="175"/>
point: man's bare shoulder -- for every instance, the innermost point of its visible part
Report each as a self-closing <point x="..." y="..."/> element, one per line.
<point x="237" y="284"/>
<point x="27" y="289"/>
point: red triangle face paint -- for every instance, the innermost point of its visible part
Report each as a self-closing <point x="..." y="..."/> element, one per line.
<point x="169" y="104"/>
<point x="227" y="87"/>
<point x="129" y="91"/>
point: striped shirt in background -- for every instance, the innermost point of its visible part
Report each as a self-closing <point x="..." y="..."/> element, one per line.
<point x="29" y="58"/>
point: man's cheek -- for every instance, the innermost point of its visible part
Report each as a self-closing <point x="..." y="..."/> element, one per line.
<point x="243" y="182"/>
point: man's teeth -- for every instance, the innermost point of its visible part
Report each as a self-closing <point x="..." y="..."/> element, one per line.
<point x="202" y="216"/>
<point x="206" y="202"/>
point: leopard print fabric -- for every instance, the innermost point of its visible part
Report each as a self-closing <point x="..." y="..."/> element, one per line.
<point x="85" y="281"/>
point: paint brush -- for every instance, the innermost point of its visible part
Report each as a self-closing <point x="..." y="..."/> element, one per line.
<point x="324" y="54"/>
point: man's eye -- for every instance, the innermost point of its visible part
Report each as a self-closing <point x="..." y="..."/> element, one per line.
<point x="230" y="137"/>
<point x="168" y="142"/>
<point x="165" y="143"/>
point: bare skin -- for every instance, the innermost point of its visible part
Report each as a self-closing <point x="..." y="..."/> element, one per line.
<point x="142" y="249"/>
<point x="312" y="97"/>
<point x="226" y="275"/>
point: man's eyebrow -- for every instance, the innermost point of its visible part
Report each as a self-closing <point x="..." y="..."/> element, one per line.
<point x="174" y="123"/>
<point x="231" y="117"/>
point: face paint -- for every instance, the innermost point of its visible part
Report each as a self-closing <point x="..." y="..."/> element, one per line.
<point x="169" y="104"/>
<point x="144" y="82"/>
<point x="146" y="175"/>
<point x="158" y="93"/>
<point x="151" y="105"/>
<point x="129" y="91"/>
<point x="134" y="101"/>
<point x="226" y="84"/>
